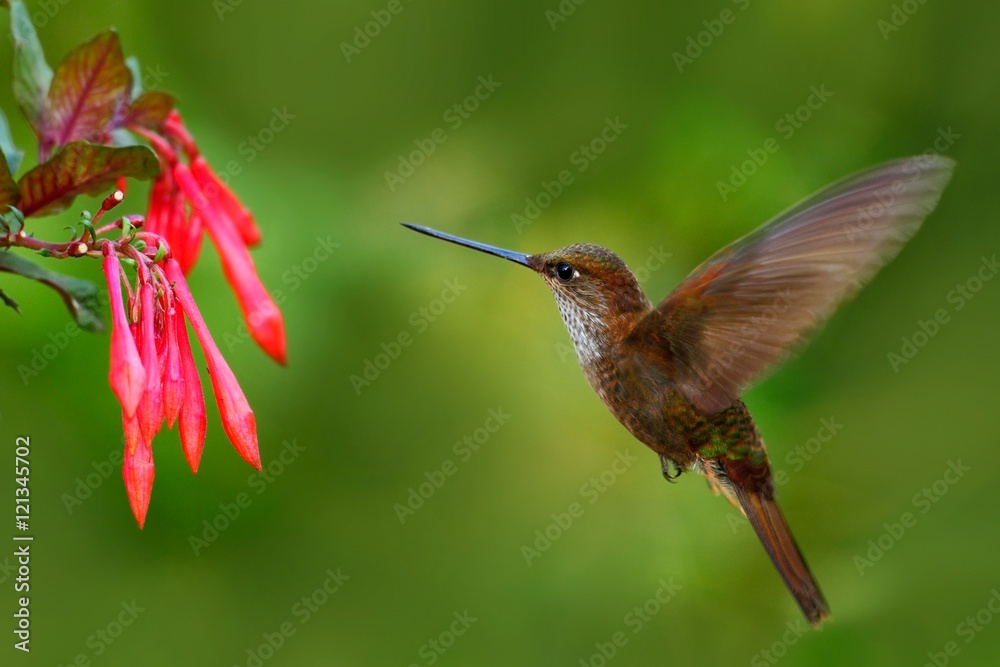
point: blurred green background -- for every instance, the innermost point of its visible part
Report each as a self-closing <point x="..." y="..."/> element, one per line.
<point x="357" y="451"/>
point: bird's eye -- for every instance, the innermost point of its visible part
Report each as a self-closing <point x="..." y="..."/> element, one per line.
<point x="564" y="271"/>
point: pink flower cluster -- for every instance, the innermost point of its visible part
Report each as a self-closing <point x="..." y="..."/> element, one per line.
<point x="153" y="372"/>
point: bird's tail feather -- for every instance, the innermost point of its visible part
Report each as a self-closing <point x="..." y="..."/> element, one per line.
<point x="774" y="534"/>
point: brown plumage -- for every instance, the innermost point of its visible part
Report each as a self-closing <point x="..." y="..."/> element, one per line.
<point x="673" y="374"/>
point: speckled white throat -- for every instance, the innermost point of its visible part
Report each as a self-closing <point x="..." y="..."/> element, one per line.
<point x="588" y="330"/>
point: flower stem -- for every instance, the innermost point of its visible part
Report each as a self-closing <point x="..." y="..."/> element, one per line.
<point x="73" y="248"/>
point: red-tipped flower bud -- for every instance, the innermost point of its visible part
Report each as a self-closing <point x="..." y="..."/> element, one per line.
<point x="127" y="375"/>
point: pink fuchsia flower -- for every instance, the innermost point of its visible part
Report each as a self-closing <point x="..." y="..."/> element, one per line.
<point x="237" y="417"/>
<point x="188" y="199"/>
<point x="152" y="334"/>
<point x="127" y="375"/>
<point x="138" y="472"/>
<point x="173" y="367"/>
<point x="81" y="112"/>
<point x="261" y="314"/>
<point x="215" y="190"/>
<point x="191" y="418"/>
<point x="151" y="405"/>
<point x="169" y="216"/>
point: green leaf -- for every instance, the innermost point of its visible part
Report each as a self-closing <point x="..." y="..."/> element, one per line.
<point x="121" y="137"/>
<point x="81" y="168"/>
<point x="90" y="230"/>
<point x="133" y="66"/>
<point x="9" y="192"/>
<point x="13" y="220"/>
<point x="150" y="109"/>
<point x="32" y="74"/>
<point x="10" y="151"/>
<point x="89" y="91"/>
<point x="81" y="296"/>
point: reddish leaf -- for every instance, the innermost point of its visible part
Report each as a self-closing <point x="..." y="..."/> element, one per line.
<point x="149" y="110"/>
<point x="88" y="89"/>
<point x="81" y="168"/>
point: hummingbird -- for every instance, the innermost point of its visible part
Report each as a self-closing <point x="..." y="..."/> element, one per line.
<point x="673" y="373"/>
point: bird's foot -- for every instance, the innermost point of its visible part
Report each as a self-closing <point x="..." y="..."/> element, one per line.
<point x="671" y="471"/>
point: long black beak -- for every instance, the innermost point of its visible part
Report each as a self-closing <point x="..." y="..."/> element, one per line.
<point x="518" y="257"/>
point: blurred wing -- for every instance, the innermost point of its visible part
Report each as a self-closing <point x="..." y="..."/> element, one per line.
<point x="748" y="305"/>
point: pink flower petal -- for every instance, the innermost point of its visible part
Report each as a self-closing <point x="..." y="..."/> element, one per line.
<point x="237" y="417"/>
<point x="173" y="372"/>
<point x="127" y="375"/>
<point x="218" y="192"/>
<point x="151" y="405"/>
<point x="190" y="242"/>
<point x="159" y="198"/>
<point x="261" y="314"/>
<point x="138" y="473"/>
<point x="132" y="431"/>
<point x="193" y="421"/>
